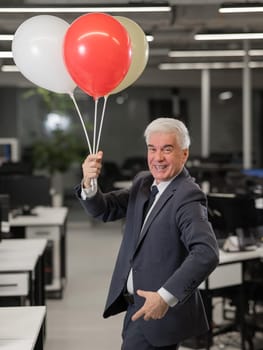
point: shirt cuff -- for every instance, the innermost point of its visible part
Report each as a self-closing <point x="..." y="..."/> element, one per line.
<point x="87" y="193"/>
<point x="169" y="298"/>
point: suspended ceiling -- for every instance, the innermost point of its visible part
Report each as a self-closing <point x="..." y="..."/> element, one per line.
<point x="172" y="31"/>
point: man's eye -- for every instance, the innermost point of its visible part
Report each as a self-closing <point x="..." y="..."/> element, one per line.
<point x="168" y="150"/>
<point x="150" y="149"/>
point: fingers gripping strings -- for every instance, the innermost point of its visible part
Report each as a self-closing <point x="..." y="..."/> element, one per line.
<point x="96" y="133"/>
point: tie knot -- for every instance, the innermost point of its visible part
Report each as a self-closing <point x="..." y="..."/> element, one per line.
<point x="149" y="202"/>
<point x="154" y="191"/>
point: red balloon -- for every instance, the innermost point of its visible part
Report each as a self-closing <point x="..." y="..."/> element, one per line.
<point x="97" y="53"/>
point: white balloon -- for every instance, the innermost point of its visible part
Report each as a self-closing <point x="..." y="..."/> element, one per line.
<point x="38" y="53"/>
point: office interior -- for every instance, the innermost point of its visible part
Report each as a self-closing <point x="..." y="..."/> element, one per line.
<point x="56" y="261"/>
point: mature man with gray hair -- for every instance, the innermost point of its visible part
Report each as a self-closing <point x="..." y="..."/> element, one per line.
<point x="168" y="247"/>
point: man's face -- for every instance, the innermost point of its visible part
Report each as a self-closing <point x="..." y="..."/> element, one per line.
<point x="165" y="157"/>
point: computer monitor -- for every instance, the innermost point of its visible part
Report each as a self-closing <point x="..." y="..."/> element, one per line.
<point x="4" y="215"/>
<point x="254" y="172"/>
<point x="232" y="214"/>
<point x="26" y="191"/>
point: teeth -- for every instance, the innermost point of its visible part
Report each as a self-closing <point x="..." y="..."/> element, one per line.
<point x="160" y="167"/>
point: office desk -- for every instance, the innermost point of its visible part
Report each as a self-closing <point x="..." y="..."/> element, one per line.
<point x="22" y="269"/>
<point x="49" y="223"/>
<point x="122" y="184"/>
<point x="22" y="328"/>
<point x="229" y="273"/>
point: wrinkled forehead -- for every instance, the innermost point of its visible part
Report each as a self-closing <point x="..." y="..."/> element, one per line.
<point x="161" y="139"/>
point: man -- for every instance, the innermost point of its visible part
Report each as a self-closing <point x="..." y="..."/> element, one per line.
<point x="164" y="257"/>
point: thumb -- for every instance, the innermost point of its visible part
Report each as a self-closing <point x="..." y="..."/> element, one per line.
<point x="141" y="293"/>
<point x="99" y="155"/>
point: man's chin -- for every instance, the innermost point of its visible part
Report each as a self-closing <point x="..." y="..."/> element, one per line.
<point x="160" y="178"/>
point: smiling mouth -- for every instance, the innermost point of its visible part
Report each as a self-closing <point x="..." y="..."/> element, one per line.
<point x="160" y="167"/>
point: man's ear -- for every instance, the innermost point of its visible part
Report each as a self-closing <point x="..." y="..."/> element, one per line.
<point x="185" y="154"/>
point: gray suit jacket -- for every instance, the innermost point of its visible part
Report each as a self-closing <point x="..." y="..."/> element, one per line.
<point x="177" y="250"/>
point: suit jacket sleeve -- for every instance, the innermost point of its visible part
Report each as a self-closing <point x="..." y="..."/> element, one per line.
<point x="198" y="238"/>
<point x="106" y="207"/>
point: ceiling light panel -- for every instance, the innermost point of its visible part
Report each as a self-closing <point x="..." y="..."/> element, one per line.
<point x="213" y="53"/>
<point x="246" y="7"/>
<point x="85" y="9"/>
<point x="208" y="65"/>
<point x="228" y="36"/>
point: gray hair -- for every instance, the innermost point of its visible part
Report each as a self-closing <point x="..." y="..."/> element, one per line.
<point x="169" y="125"/>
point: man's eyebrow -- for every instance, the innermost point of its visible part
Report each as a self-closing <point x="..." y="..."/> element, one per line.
<point x="164" y="146"/>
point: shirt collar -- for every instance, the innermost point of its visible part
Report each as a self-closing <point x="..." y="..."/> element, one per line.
<point x="162" y="185"/>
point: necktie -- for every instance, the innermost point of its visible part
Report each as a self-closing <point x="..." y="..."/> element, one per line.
<point x="150" y="201"/>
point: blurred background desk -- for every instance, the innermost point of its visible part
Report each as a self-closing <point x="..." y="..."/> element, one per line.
<point x="231" y="282"/>
<point x="122" y="184"/>
<point x="22" y="271"/>
<point x="49" y="223"/>
<point x="22" y="328"/>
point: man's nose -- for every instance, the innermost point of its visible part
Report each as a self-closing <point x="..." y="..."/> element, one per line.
<point x="159" y="154"/>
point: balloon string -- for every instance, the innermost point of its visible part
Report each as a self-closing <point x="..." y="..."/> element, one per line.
<point x="94" y="182"/>
<point x="82" y="122"/>
<point x="101" y="122"/>
<point x="95" y="125"/>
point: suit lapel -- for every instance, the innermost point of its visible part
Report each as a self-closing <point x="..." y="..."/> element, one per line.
<point x="141" y="199"/>
<point x="165" y="196"/>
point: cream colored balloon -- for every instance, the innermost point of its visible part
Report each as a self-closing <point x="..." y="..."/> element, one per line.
<point x="140" y="53"/>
